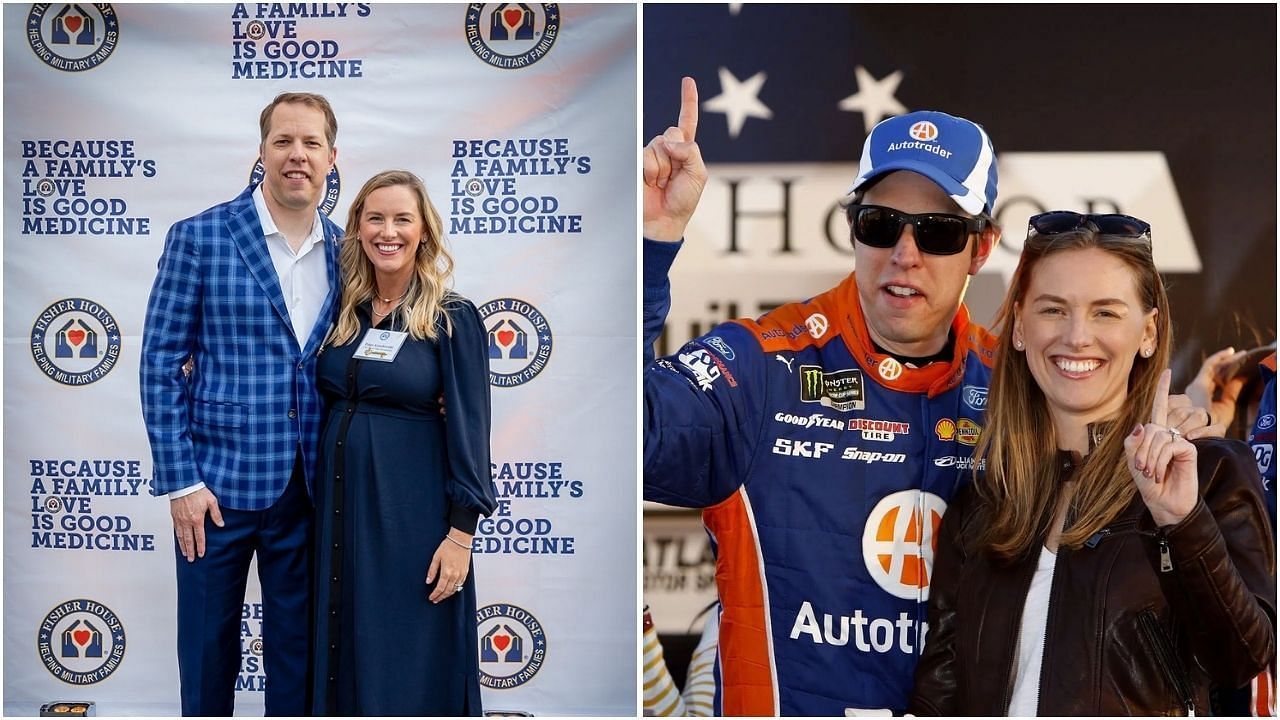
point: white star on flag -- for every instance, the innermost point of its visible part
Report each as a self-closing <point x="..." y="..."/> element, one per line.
<point x="874" y="98"/>
<point x="738" y="101"/>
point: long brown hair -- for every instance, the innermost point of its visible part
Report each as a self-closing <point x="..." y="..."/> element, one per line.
<point x="428" y="294"/>
<point x="1020" y="445"/>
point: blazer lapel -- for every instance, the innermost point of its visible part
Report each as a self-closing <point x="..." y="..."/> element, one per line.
<point x="246" y="231"/>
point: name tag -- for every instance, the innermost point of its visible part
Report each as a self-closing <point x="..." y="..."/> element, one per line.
<point x="380" y="345"/>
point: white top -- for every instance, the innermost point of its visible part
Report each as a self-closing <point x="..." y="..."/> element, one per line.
<point x="1035" y="610"/>
<point x="304" y="278"/>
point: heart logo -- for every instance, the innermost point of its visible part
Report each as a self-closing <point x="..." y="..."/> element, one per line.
<point x="504" y="336"/>
<point x="81" y="637"/>
<point x="75" y="336"/>
<point x="73" y="22"/>
<point x="499" y="641"/>
<point x="512" y="17"/>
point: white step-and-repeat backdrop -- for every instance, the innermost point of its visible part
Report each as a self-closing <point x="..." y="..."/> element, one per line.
<point x="121" y="119"/>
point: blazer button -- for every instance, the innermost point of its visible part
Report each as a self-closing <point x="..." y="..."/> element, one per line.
<point x="293" y="414"/>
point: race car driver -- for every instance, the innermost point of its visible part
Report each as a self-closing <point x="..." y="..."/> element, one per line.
<point x="824" y="439"/>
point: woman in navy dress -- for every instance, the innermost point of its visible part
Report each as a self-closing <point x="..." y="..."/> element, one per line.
<point x="400" y="490"/>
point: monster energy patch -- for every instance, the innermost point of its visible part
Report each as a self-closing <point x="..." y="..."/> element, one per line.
<point x="840" y="390"/>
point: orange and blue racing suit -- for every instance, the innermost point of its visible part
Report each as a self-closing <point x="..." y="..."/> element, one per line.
<point x="823" y="467"/>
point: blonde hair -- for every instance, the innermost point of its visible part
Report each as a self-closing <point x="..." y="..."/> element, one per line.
<point x="427" y="296"/>
<point x="1020" y="446"/>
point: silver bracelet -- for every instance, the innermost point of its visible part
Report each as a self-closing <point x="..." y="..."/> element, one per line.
<point x="455" y="542"/>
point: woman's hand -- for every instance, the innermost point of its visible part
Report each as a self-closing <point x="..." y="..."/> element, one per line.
<point x="450" y="564"/>
<point x="1163" y="463"/>
<point x="1193" y="421"/>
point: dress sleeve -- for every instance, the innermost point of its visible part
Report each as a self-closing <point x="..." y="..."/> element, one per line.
<point x="465" y="382"/>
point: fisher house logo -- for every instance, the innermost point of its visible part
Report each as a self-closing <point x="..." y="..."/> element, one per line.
<point x="512" y="35"/>
<point x="519" y="341"/>
<point x="75" y="342"/>
<point x="81" y="642"/>
<point x="72" y="37"/>
<point x="513" y="646"/>
<point x="332" y="186"/>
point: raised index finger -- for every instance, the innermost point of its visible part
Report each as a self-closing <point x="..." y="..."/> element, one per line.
<point x="1160" y="405"/>
<point x="688" y="123"/>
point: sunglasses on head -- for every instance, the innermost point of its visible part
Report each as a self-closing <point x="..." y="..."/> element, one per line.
<point x="1057" y="222"/>
<point x="935" y="233"/>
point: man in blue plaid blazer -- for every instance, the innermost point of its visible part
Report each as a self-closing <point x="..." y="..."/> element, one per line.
<point x="245" y="293"/>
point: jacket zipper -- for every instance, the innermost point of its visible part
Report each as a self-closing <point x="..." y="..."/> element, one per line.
<point x="1150" y="624"/>
<point x="1117" y="528"/>
<point x="1048" y="623"/>
<point x="1013" y="644"/>
<point x="1167" y="660"/>
<point x="1166" y="559"/>
<point x="1048" y="618"/>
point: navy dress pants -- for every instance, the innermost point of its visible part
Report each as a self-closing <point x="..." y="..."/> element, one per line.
<point x="211" y="598"/>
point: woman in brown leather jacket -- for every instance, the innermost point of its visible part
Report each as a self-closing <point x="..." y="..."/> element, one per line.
<point x="1101" y="563"/>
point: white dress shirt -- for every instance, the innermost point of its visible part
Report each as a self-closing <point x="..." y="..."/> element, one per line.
<point x="304" y="278"/>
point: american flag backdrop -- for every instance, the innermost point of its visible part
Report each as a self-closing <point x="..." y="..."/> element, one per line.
<point x="1164" y="110"/>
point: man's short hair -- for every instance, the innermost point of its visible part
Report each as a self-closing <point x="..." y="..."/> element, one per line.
<point x="311" y="100"/>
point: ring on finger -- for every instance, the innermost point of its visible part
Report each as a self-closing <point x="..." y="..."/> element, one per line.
<point x="457" y="588"/>
<point x="1174" y="433"/>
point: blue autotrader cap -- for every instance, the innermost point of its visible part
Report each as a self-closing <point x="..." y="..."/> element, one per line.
<point x="951" y="151"/>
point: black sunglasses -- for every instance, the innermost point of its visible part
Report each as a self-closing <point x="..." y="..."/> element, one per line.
<point x="1057" y="222"/>
<point x="935" y="233"/>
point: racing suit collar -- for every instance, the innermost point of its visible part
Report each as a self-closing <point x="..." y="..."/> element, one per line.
<point x="886" y="370"/>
